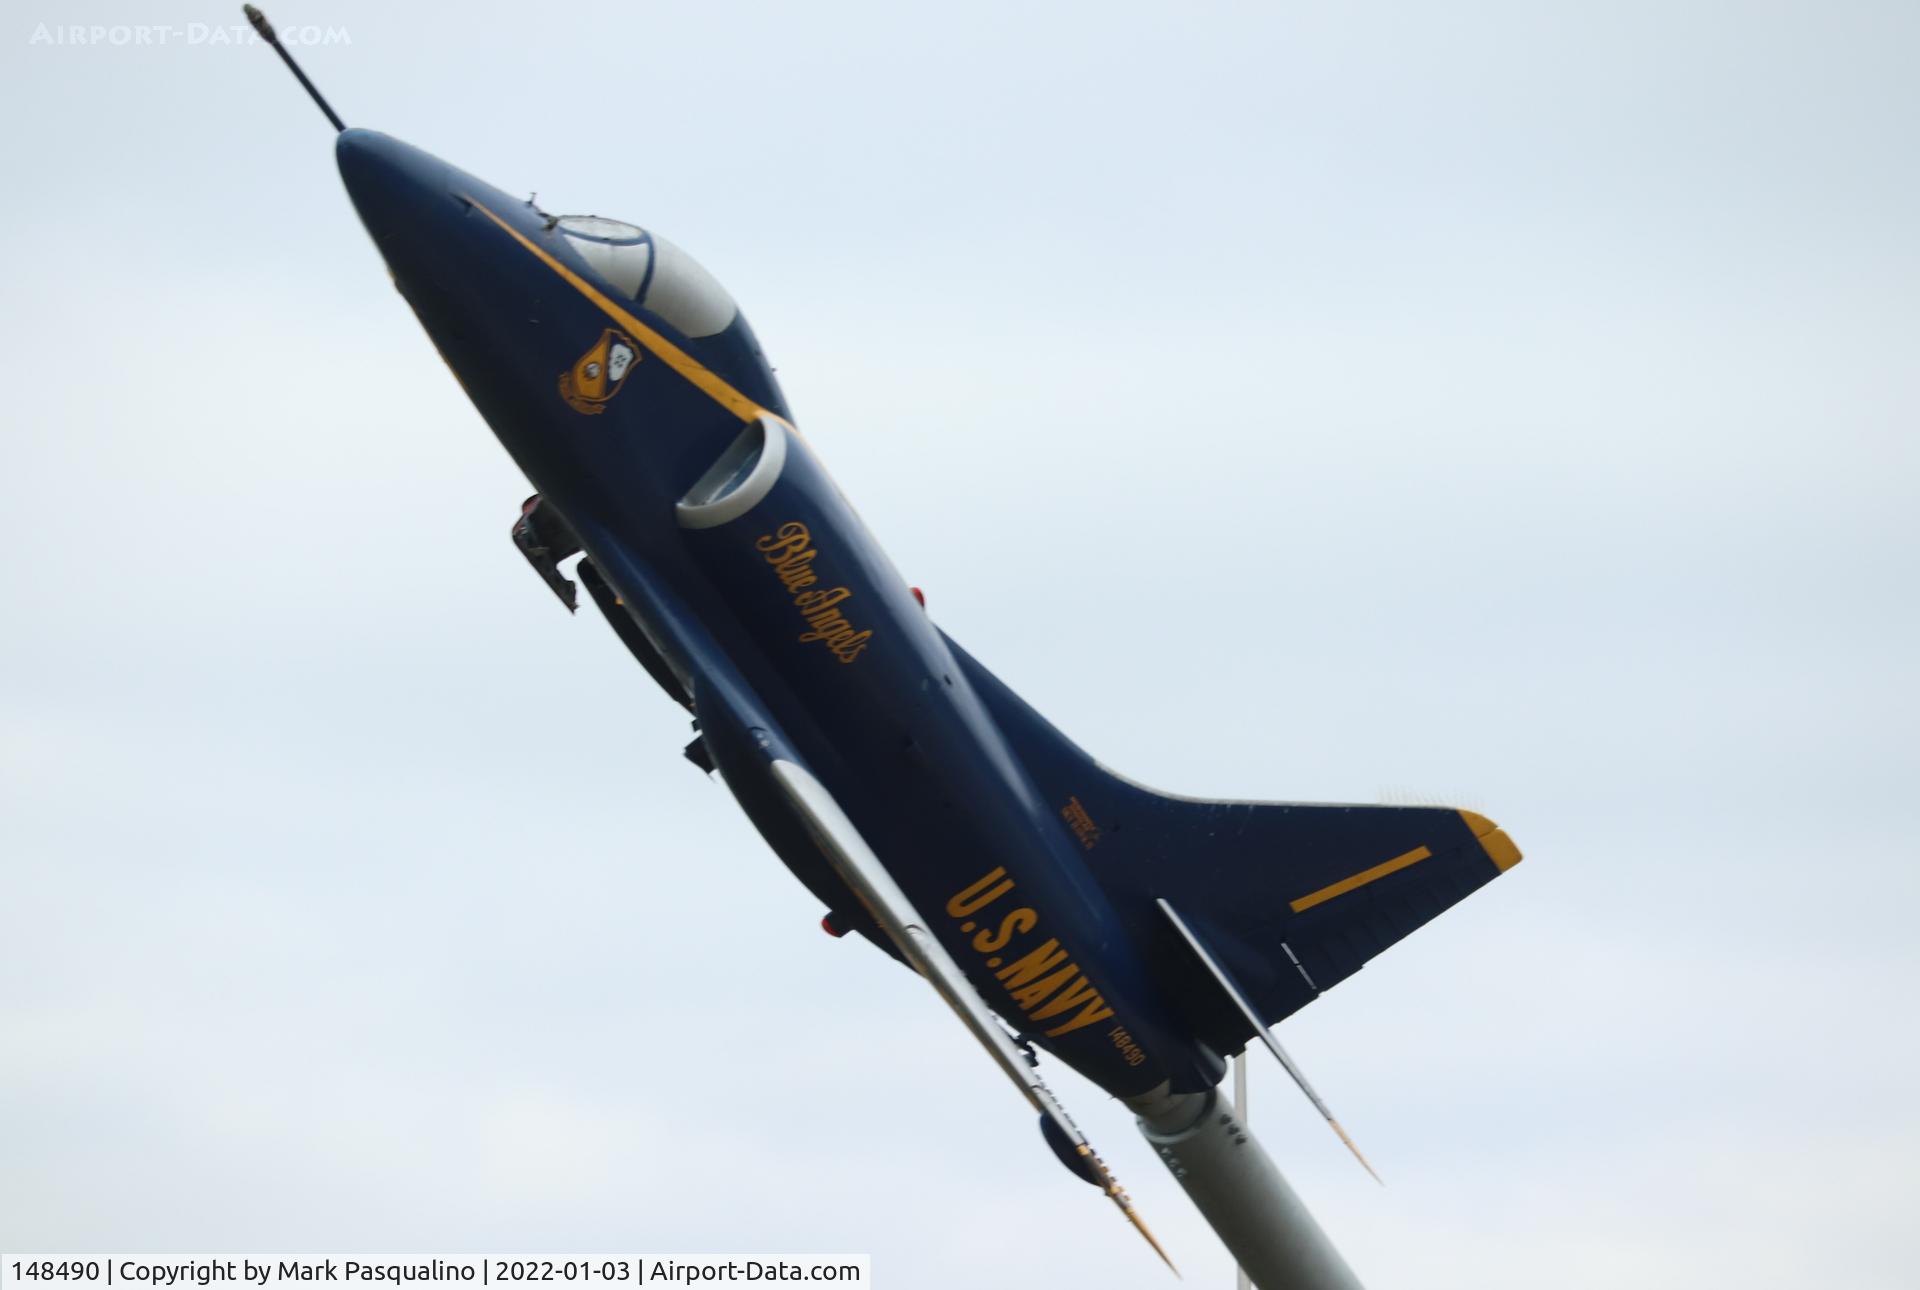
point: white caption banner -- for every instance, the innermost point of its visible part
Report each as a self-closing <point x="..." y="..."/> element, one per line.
<point x="444" y="1271"/>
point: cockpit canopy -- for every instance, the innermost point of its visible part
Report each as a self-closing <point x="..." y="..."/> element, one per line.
<point x="648" y="268"/>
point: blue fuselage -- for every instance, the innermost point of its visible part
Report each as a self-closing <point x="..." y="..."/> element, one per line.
<point x="786" y="623"/>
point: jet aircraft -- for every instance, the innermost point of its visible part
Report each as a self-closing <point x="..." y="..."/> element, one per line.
<point x="1138" y="937"/>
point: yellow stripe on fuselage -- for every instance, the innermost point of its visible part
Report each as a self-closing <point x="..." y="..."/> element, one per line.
<point x="659" y="346"/>
<point x="1361" y="879"/>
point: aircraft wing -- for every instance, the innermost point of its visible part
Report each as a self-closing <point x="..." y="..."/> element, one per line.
<point x="728" y="711"/>
<point x="862" y="871"/>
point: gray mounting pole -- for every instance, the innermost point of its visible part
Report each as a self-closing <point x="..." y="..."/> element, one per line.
<point x="1200" y="1139"/>
<point x="1240" y="1278"/>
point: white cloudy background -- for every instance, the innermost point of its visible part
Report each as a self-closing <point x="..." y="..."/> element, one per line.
<point x="1503" y="404"/>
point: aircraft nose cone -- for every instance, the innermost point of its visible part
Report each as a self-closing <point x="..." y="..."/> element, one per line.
<point x="393" y="185"/>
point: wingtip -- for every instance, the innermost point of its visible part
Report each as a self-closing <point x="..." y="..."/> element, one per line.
<point x="1357" y="1153"/>
<point x="1141" y="1227"/>
<point x="1118" y="1195"/>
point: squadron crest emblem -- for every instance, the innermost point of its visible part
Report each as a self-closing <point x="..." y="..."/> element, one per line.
<point x="599" y="373"/>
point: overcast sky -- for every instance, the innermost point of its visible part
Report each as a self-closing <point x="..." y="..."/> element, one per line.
<point x="1505" y="405"/>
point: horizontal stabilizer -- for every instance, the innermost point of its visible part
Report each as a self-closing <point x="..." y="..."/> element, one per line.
<point x="1246" y="1008"/>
